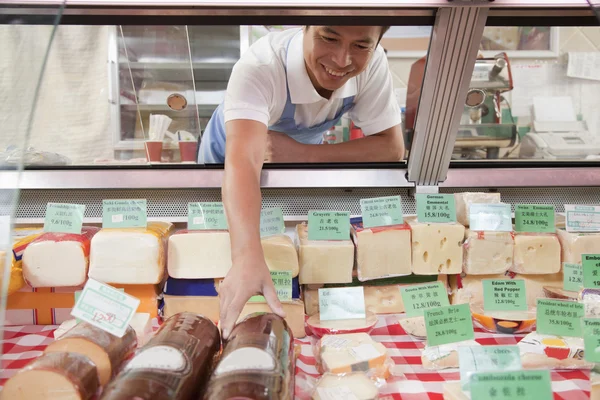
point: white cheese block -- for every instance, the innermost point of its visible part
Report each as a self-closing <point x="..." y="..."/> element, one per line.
<point x="280" y="254"/>
<point x="142" y="325"/>
<point x="536" y="254"/>
<point x="199" y="254"/>
<point x="207" y="306"/>
<point x="573" y="245"/>
<point x="130" y="255"/>
<point x="351" y="352"/>
<point x="354" y="386"/>
<point x="436" y="248"/>
<point x="444" y="356"/>
<point x="324" y="261"/>
<point x="382" y="252"/>
<point x="464" y="200"/>
<point x="487" y="252"/>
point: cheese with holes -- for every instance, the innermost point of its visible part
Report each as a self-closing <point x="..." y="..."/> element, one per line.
<point x="464" y="200"/>
<point x="324" y="261"/>
<point x="574" y="244"/>
<point x="382" y="252"/>
<point x="436" y="248"/>
<point x="58" y="259"/>
<point x="199" y="254"/>
<point x="349" y="386"/>
<point x="130" y="255"/>
<point x="536" y="254"/>
<point x="487" y="252"/>
<point x="350" y="352"/>
<point x="280" y="254"/>
<point x="469" y="289"/>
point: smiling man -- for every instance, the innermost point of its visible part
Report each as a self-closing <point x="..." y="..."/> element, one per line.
<point x="285" y="92"/>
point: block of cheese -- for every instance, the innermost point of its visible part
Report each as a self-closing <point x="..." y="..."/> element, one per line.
<point x="58" y="259"/>
<point x="199" y="254"/>
<point x="16" y="268"/>
<point x="70" y="376"/>
<point x="536" y="253"/>
<point x="444" y="356"/>
<point x="348" y="386"/>
<point x="324" y="261"/>
<point x="105" y="350"/>
<point x="464" y="200"/>
<point x="382" y="252"/>
<point x="552" y="352"/>
<point x="469" y="289"/>
<point x="294" y="314"/>
<point x="487" y="252"/>
<point x="130" y="255"/>
<point x="436" y="248"/>
<point x="350" y="352"/>
<point x="280" y="254"/>
<point x="142" y="325"/>
<point x="574" y="244"/>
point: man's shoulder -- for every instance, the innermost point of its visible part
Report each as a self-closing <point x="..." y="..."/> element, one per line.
<point x="269" y="50"/>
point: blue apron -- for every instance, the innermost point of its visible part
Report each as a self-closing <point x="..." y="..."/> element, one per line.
<point x="212" y="145"/>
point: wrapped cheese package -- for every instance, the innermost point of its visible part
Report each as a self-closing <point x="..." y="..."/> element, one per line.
<point x="464" y="200"/>
<point x="324" y="261"/>
<point x="381" y="252"/>
<point x="443" y="356"/>
<point x="320" y="328"/>
<point x="552" y="352"/>
<point x="487" y="252"/>
<point x="173" y="365"/>
<point x="58" y="259"/>
<point x="130" y="255"/>
<point x="536" y="253"/>
<point x="356" y="385"/>
<point x="54" y="376"/>
<point x="105" y="350"/>
<point x="574" y="245"/>
<point x="257" y="361"/>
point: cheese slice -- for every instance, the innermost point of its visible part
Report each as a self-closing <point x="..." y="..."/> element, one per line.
<point x="436" y="248"/>
<point x="573" y="245"/>
<point x="463" y="202"/>
<point x="536" y="254"/>
<point x="130" y="255"/>
<point x="351" y="352"/>
<point x="487" y="252"/>
<point x="324" y="261"/>
<point x="382" y="252"/>
<point x="354" y="386"/>
<point x="280" y="254"/>
<point x="199" y="254"/>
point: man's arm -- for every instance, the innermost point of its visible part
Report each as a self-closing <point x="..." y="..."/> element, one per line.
<point x="387" y="145"/>
<point x="249" y="275"/>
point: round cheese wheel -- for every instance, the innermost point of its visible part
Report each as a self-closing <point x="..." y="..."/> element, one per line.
<point x="509" y="322"/>
<point x="321" y="328"/>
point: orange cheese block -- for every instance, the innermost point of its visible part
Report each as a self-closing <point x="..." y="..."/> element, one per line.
<point x="350" y="352"/>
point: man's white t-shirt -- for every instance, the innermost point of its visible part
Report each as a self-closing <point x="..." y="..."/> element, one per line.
<point x="257" y="87"/>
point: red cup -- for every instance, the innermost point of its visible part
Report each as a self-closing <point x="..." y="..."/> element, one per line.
<point x="153" y="150"/>
<point x="187" y="149"/>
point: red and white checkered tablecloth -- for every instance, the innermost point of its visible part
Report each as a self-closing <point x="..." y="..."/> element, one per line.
<point x="410" y="381"/>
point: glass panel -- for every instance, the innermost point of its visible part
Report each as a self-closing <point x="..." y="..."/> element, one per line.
<point x="25" y="54"/>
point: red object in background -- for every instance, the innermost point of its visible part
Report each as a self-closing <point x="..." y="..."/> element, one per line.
<point x="355" y="133"/>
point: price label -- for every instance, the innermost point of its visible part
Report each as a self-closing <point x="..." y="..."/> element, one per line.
<point x="124" y="213"/>
<point x="436" y="208"/>
<point x="591" y="270"/>
<point x="449" y="325"/>
<point x="342" y="303"/>
<point x="472" y="359"/>
<point x="591" y="339"/>
<point x="573" y="277"/>
<point x="490" y="217"/>
<point x="534" y="218"/>
<point x="328" y="225"/>
<point x="381" y="211"/>
<point x="582" y="218"/>
<point x="271" y="222"/>
<point x="64" y="218"/>
<point x="283" y="286"/>
<point x="559" y="318"/>
<point x="105" y="307"/>
<point x="206" y="216"/>
<point x="418" y="298"/>
<point x="504" y="295"/>
<point x="517" y="385"/>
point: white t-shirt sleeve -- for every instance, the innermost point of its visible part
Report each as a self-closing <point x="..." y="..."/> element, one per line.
<point x="376" y="108"/>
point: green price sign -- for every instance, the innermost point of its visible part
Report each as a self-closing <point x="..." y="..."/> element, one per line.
<point x="449" y="325"/>
<point x="328" y="225"/>
<point x="418" y="298"/>
<point x="124" y="213"/>
<point x="283" y="286"/>
<point x="381" y="211"/>
<point x="591" y="270"/>
<point x="572" y="276"/>
<point x="271" y="222"/>
<point x="516" y="385"/>
<point x="472" y="359"/>
<point x="591" y="339"/>
<point x="504" y="295"/>
<point x="559" y="318"/>
<point x="436" y="208"/>
<point x="64" y="218"/>
<point x="534" y="218"/>
<point x="206" y="216"/>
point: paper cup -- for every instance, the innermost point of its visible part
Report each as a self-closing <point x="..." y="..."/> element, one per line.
<point x="153" y="150"/>
<point x="187" y="149"/>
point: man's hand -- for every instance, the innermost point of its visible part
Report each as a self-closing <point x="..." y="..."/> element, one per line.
<point x="244" y="280"/>
<point x="283" y="149"/>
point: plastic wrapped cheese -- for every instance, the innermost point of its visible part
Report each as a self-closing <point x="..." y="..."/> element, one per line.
<point x="130" y="255"/>
<point x="70" y="376"/>
<point x="552" y="352"/>
<point x="324" y="261"/>
<point x="464" y="200"/>
<point x="105" y="350"/>
<point x="443" y="356"/>
<point x="487" y="252"/>
<point x="16" y="269"/>
<point x="536" y="253"/>
<point x="356" y="386"/>
<point x="508" y="322"/>
<point x="436" y="248"/>
<point x="382" y="252"/>
<point x="58" y="259"/>
<point x="574" y="245"/>
<point x="280" y="254"/>
<point x="350" y="352"/>
<point x="320" y="328"/>
<point x="199" y="254"/>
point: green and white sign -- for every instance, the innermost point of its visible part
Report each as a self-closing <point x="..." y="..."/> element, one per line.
<point x="514" y="385"/>
<point x="124" y="213"/>
<point x="283" y="286"/>
<point x="504" y="295"/>
<point x="271" y="222"/>
<point x="418" y="298"/>
<point x="436" y="208"/>
<point x="573" y="277"/>
<point x="472" y="359"/>
<point x="381" y="211"/>
<point x="328" y="225"/>
<point x="64" y="218"/>
<point x="591" y="339"/>
<point x="206" y="216"/>
<point x="449" y="325"/>
<point x="534" y="218"/>
<point x="558" y="317"/>
<point x="591" y="270"/>
<point x="582" y="218"/>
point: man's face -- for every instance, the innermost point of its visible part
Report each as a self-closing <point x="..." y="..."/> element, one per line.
<point x="334" y="54"/>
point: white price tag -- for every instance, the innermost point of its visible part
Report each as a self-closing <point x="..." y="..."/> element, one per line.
<point x="364" y="352"/>
<point x="117" y="218"/>
<point x="342" y="303"/>
<point x="334" y="342"/>
<point x="490" y="217"/>
<point x="582" y="218"/>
